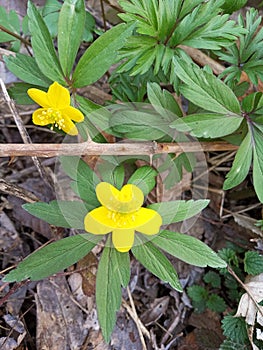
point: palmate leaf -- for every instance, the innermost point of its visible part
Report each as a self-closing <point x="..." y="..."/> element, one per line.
<point x="70" y="32"/>
<point x="113" y="272"/>
<point x="162" y="25"/>
<point x="59" y="213"/>
<point x="247" y="56"/>
<point x="53" y="258"/>
<point x="154" y="261"/>
<point x="44" y="51"/>
<point x="188" y="248"/>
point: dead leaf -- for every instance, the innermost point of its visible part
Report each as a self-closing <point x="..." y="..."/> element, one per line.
<point x="155" y="311"/>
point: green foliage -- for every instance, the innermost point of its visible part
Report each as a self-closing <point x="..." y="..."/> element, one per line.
<point x="26" y="69"/>
<point x="247" y="55"/>
<point x="216" y="303"/>
<point x="144" y="178"/>
<point x="176" y="211"/>
<point x="235" y="329"/>
<point x="212" y="278"/>
<point x="188" y="249"/>
<point x="53" y="258"/>
<point x="59" y="213"/>
<point x="163" y="25"/>
<point x="253" y="263"/>
<point x="230" y="6"/>
<point x="199" y="296"/>
<point x="71" y="24"/>
<point x="85" y="180"/>
<point x="10" y="21"/>
<point x="42" y="42"/>
<point x="113" y="272"/>
<point x="156" y="262"/>
<point x="233" y="345"/>
<point x="102" y="51"/>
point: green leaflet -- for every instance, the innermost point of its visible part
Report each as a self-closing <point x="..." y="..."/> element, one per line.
<point x="154" y="261"/>
<point x="53" y="258"/>
<point x="253" y="263"/>
<point x="26" y="69"/>
<point x="70" y="31"/>
<point x="188" y="248"/>
<point x="205" y="90"/>
<point x="258" y="160"/>
<point x="59" y="213"/>
<point x="113" y="272"/>
<point x="162" y="100"/>
<point x="10" y="21"/>
<point x="208" y="125"/>
<point x="241" y="164"/>
<point x="85" y="180"/>
<point x="43" y="47"/>
<point x="144" y="178"/>
<point x="101" y="55"/>
<point x="180" y="210"/>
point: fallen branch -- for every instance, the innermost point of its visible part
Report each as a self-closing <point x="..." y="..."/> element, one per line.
<point x="93" y="148"/>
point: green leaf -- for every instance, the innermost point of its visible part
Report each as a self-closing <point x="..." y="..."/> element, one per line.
<point x="162" y="100"/>
<point x="70" y="31"/>
<point x="208" y="125"/>
<point x="180" y="210"/>
<point x="235" y="329"/>
<point x="231" y="6"/>
<point x="18" y="92"/>
<point x="100" y="55"/>
<point x="154" y="261"/>
<point x="43" y="47"/>
<point x="205" y="90"/>
<point x="113" y="271"/>
<point x="111" y="173"/>
<point x="10" y="21"/>
<point x="257" y="133"/>
<point x="188" y="248"/>
<point x="241" y="164"/>
<point x="26" y="69"/>
<point x="253" y="263"/>
<point x="85" y="180"/>
<point x="53" y="258"/>
<point x="69" y="214"/>
<point x="94" y="122"/>
<point x="89" y="28"/>
<point x="212" y="278"/>
<point x="199" y="296"/>
<point x="216" y="303"/>
<point x="144" y="178"/>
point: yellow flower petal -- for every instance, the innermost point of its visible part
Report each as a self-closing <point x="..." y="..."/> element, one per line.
<point x="73" y="113"/>
<point x="93" y="223"/>
<point x="148" y="221"/>
<point x="69" y="127"/>
<point x="123" y="239"/>
<point x="41" y="119"/>
<point x="129" y="199"/>
<point x="39" y="96"/>
<point x="58" y="96"/>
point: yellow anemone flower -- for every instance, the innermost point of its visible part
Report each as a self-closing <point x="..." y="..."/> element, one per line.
<point x="121" y="214"/>
<point x="56" y="108"/>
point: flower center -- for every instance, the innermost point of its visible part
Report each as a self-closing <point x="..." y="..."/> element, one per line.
<point x="122" y="220"/>
<point x="54" y="116"/>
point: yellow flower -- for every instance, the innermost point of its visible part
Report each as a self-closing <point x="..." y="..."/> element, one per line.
<point x="56" y="108"/>
<point x="121" y="214"/>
